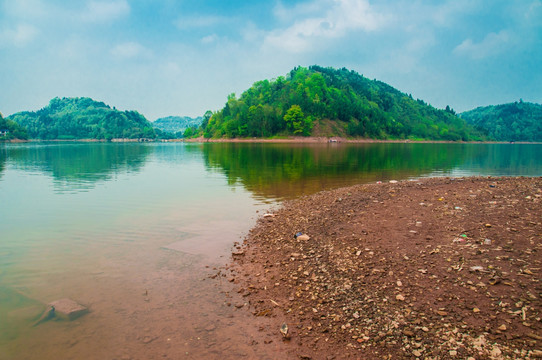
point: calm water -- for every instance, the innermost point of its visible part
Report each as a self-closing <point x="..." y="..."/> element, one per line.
<point x="131" y="231"/>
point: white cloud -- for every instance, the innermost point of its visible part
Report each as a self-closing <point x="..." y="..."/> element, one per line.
<point x="103" y="11"/>
<point x="130" y="50"/>
<point x="492" y="44"/>
<point x="199" y="21"/>
<point x="19" y="36"/>
<point x="25" y="9"/>
<point x="448" y="13"/>
<point x="209" y="39"/>
<point x="341" y="17"/>
<point x="299" y="10"/>
<point x="533" y="15"/>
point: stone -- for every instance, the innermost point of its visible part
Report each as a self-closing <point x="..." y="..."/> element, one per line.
<point x="303" y="237"/>
<point x="68" y="309"/>
<point x="284" y="331"/>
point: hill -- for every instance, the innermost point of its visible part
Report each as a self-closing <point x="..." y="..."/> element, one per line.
<point x="176" y="124"/>
<point x="327" y="102"/>
<point x="519" y="121"/>
<point x="10" y="130"/>
<point x="83" y="118"/>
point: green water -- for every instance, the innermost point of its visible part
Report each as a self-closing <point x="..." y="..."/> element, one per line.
<point x="104" y="223"/>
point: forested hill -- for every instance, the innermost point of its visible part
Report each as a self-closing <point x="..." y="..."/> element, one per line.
<point x="519" y="121"/>
<point x="327" y="102"/>
<point x="83" y="118"/>
<point x="10" y="130"/>
<point x="176" y="124"/>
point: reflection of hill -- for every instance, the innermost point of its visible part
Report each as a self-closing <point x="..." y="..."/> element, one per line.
<point x="79" y="165"/>
<point x="3" y="157"/>
<point x="285" y="171"/>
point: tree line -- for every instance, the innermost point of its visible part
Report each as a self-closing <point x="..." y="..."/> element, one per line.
<point x="11" y="130"/>
<point x="518" y="121"/>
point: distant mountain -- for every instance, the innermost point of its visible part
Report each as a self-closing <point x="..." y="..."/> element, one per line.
<point x="83" y="118"/>
<point x="176" y="124"/>
<point x="10" y="130"/>
<point x="321" y="101"/>
<point x="519" y="121"/>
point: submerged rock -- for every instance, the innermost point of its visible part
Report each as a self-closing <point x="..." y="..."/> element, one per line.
<point x="65" y="309"/>
<point x="68" y="309"/>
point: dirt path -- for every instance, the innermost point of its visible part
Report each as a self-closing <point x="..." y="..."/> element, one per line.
<point x="436" y="269"/>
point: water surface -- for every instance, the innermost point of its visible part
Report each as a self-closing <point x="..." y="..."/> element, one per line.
<point x="133" y="230"/>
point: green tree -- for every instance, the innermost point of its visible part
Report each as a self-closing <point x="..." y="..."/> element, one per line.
<point x="295" y="120"/>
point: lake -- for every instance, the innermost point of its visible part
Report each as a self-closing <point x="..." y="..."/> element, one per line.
<point x="138" y="232"/>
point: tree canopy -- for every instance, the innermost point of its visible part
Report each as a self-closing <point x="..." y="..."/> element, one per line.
<point x="519" y="121"/>
<point x="307" y="98"/>
<point x="11" y="130"/>
<point x="177" y="125"/>
<point x="83" y="118"/>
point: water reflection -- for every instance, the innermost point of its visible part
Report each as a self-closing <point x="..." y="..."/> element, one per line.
<point x="275" y="171"/>
<point x="3" y="158"/>
<point x="282" y="171"/>
<point x="503" y="159"/>
<point x="78" y="166"/>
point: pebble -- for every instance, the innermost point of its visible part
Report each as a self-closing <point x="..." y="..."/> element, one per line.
<point x="303" y="237"/>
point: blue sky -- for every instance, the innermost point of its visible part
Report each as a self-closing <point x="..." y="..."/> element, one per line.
<point x="175" y="57"/>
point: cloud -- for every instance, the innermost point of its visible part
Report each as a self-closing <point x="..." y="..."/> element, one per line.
<point x="19" y="36"/>
<point x="25" y="9"/>
<point x="103" y="11"/>
<point x="448" y="13"/>
<point x="533" y="14"/>
<point x="492" y="44"/>
<point x="299" y="10"/>
<point x="340" y="18"/>
<point x="130" y="50"/>
<point x="209" y="39"/>
<point x="200" y="21"/>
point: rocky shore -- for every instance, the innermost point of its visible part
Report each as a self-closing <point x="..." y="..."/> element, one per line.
<point x="437" y="268"/>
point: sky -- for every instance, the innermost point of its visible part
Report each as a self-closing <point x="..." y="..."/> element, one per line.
<point x="179" y="57"/>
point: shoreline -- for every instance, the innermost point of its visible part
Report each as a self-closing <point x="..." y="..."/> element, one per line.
<point x="289" y="140"/>
<point x="434" y="268"/>
<point x="338" y="140"/>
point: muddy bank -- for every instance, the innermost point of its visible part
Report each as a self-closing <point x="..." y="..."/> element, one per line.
<point x="335" y="139"/>
<point x="436" y="268"/>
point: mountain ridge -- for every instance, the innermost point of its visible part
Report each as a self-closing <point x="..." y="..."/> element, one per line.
<point x="517" y="121"/>
<point x="83" y="118"/>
